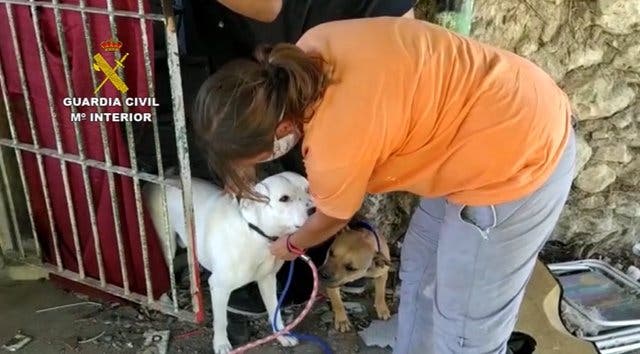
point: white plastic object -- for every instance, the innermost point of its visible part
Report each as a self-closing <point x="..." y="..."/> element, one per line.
<point x="634" y="273"/>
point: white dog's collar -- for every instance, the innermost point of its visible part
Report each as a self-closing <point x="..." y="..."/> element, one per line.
<point x="261" y="233"/>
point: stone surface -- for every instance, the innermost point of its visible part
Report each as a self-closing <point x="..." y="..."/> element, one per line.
<point x="622" y="120"/>
<point x="592" y="202"/>
<point x="596" y="223"/>
<point x="602" y="97"/>
<point x="619" y="16"/>
<point x="630" y="176"/>
<point x="390" y="213"/>
<point x="602" y="134"/>
<point x="549" y="61"/>
<point x="595" y="179"/>
<point x="583" y="154"/>
<point x="585" y="57"/>
<point x="613" y="153"/>
<point x="628" y="59"/>
<point x="594" y="55"/>
<point x="629" y="209"/>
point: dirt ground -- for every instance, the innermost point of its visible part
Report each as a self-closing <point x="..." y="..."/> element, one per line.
<point x="120" y="328"/>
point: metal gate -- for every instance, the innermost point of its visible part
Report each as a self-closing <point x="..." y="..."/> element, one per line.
<point x="12" y="145"/>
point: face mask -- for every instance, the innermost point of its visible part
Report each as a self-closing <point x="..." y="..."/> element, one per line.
<point x="283" y="145"/>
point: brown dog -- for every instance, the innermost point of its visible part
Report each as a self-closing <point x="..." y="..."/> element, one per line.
<point x="356" y="252"/>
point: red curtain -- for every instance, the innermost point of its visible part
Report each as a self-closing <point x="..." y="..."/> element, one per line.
<point x="129" y="33"/>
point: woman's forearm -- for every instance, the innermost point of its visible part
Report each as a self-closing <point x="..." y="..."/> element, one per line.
<point x="318" y="228"/>
<point x="261" y="10"/>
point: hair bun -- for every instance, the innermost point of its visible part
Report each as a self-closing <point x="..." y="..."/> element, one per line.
<point x="262" y="54"/>
<point x="275" y="71"/>
<point x="294" y="77"/>
<point x="277" y="74"/>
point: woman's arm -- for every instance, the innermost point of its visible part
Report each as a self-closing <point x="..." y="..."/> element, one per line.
<point x="260" y="10"/>
<point x="318" y="228"/>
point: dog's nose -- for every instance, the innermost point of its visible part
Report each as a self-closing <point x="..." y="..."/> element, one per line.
<point x="311" y="211"/>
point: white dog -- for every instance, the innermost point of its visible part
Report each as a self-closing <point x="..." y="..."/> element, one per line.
<point x="232" y="238"/>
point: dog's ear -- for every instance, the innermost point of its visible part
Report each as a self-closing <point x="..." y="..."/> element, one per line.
<point x="263" y="190"/>
<point x="380" y="260"/>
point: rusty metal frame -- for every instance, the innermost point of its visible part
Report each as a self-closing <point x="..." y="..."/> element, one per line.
<point x="197" y="313"/>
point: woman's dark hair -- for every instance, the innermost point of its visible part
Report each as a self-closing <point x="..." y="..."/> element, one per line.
<point x="237" y="110"/>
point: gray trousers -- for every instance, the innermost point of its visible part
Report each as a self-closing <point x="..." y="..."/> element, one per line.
<point x="464" y="269"/>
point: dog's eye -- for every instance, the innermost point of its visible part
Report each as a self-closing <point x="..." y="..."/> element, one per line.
<point x="330" y="253"/>
<point x="350" y="268"/>
<point x="284" y="198"/>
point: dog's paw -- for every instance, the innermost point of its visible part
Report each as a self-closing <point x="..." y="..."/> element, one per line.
<point x="383" y="312"/>
<point x="288" y="341"/>
<point x="221" y="345"/>
<point x="342" y="325"/>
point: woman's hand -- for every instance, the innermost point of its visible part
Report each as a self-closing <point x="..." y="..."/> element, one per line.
<point x="318" y="228"/>
<point x="280" y="250"/>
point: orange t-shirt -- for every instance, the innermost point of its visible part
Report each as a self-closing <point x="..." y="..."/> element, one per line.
<point x="417" y="108"/>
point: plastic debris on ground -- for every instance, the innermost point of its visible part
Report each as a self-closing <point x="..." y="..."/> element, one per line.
<point x="380" y="333"/>
<point x="17" y="342"/>
<point x="155" y="342"/>
<point x="577" y="323"/>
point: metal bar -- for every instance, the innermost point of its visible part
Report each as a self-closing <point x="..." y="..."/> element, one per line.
<point x="613" y="273"/>
<point x="139" y="213"/>
<point x="117" y="291"/>
<point x="465" y="17"/>
<point x="185" y="169"/>
<point x="620" y="350"/>
<point x="87" y="9"/>
<point x="34" y="135"/>
<point x="107" y="155"/>
<point x="23" y="179"/>
<point x="619" y="340"/>
<point x="89" y="162"/>
<point x="156" y="141"/>
<point x="613" y="334"/>
<point x="139" y="210"/>
<point x="80" y="145"/>
<point x="167" y="10"/>
<point x="7" y="186"/>
<point x="56" y="132"/>
<point x="11" y="203"/>
<point x="116" y="211"/>
<point x="456" y="16"/>
<point x="107" y="165"/>
<point x="167" y="232"/>
<point x="134" y="165"/>
<point x="599" y="322"/>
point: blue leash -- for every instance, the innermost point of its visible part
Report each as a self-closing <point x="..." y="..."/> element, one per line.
<point x="326" y="349"/>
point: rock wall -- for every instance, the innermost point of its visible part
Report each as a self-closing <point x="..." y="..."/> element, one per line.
<point x="592" y="49"/>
